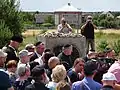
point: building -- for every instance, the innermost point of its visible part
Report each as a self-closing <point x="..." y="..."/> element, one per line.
<point x="72" y="15"/>
<point x="41" y="16"/>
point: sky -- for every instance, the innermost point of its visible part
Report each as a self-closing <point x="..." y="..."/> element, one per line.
<point x="84" y="5"/>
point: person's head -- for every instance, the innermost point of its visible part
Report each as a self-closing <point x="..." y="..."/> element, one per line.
<point x="63" y="21"/>
<point x="30" y="47"/>
<point x="33" y="64"/>
<point x="92" y="54"/>
<point x="24" y="56"/>
<point x="40" y="47"/>
<point x="23" y="70"/>
<point x="79" y="65"/>
<point x="110" y="53"/>
<point x="47" y="50"/>
<point x="47" y="56"/>
<point x="39" y="74"/>
<point x="90" y="68"/>
<point x="15" y="41"/>
<point x="63" y="85"/>
<point x="109" y="79"/>
<point x="89" y="18"/>
<point x="58" y="73"/>
<point x="53" y="61"/>
<point x="3" y="57"/>
<point x="67" y="49"/>
<point x="11" y="66"/>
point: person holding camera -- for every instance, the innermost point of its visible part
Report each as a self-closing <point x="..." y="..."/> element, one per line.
<point x="64" y="27"/>
<point x="88" y="31"/>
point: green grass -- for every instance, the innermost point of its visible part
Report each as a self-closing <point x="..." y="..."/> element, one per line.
<point x="110" y="38"/>
<point x="27" y="40"/>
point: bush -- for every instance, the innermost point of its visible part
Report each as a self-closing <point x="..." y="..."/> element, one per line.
<point x="48" y="25"/>
<point x="5" y="34"/>
<point x="102" y="45"/>
<point x="116" y="47"/>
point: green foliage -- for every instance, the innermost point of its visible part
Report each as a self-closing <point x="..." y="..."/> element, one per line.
<point x="10" y="14"/>
<point x="116" y="47"/>
<point x="28" y="17"/>
<point x="46" y="25"/>
<point x="50" y="20"/>
<point x="102" y="45"/>
<point x="102" y="16"/>
<point x="106" y="20"/>
<point x="5" y="34"/>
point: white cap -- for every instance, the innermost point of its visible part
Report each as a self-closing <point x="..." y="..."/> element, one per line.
<point x="25" y="53"/>
<point x="109" y="76"/>
<point x="2" y="54"/>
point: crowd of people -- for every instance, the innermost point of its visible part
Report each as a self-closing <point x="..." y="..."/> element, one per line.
<point x="37" y="68"/>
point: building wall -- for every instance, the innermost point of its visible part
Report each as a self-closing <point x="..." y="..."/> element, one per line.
<point x="71" y="18"/>
<point x="40" y="17"/>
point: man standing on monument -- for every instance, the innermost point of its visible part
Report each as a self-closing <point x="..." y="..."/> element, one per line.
<point x="64" y="27"/>
<point x="88" y="31"/>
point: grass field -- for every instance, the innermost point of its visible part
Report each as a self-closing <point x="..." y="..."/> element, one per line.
<point x="109" y="35"/>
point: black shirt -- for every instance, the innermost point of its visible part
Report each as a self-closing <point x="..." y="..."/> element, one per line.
<point x="73" y="75"/>
<point x="66" y="60"/>
<point x="36" y="86"/>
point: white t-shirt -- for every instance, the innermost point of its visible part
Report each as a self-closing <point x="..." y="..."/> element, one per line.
<point x="39" y="60"/>
<point x="65" y="29"/>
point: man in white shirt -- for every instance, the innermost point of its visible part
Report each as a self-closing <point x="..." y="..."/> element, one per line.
<point x="64" y="27"/>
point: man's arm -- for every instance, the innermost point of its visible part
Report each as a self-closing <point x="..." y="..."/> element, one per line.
<point x="60" y="28"/>
<point x="82" y="29"/>
<point x="69" y="27"/>
<point x="95" y="26"/>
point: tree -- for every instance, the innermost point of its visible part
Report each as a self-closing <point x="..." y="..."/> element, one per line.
<point x="5" y="34"/>
<point x="11" y="15"/>
<point x="49" y="19"/>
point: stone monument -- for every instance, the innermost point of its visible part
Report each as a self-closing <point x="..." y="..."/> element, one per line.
<point x="55" y="42"/>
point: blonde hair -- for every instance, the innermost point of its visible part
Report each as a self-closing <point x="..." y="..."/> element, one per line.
<point x="63" y="85"/>
<point x="58" y="73"/>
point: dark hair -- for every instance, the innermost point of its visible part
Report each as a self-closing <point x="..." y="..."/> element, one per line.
<point x="37" y="71"/>
<point x="66" y="46"/>
<point x="46" y="57"/>
<point x="37" y="43"/>
<point x="33" y="64"/>
<point x="90" y="67"/>
<point x="17" y="38"/>
<point x="47" y="50"/>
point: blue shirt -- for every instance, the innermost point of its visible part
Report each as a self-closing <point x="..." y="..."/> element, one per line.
<point x="86" y="84"/>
